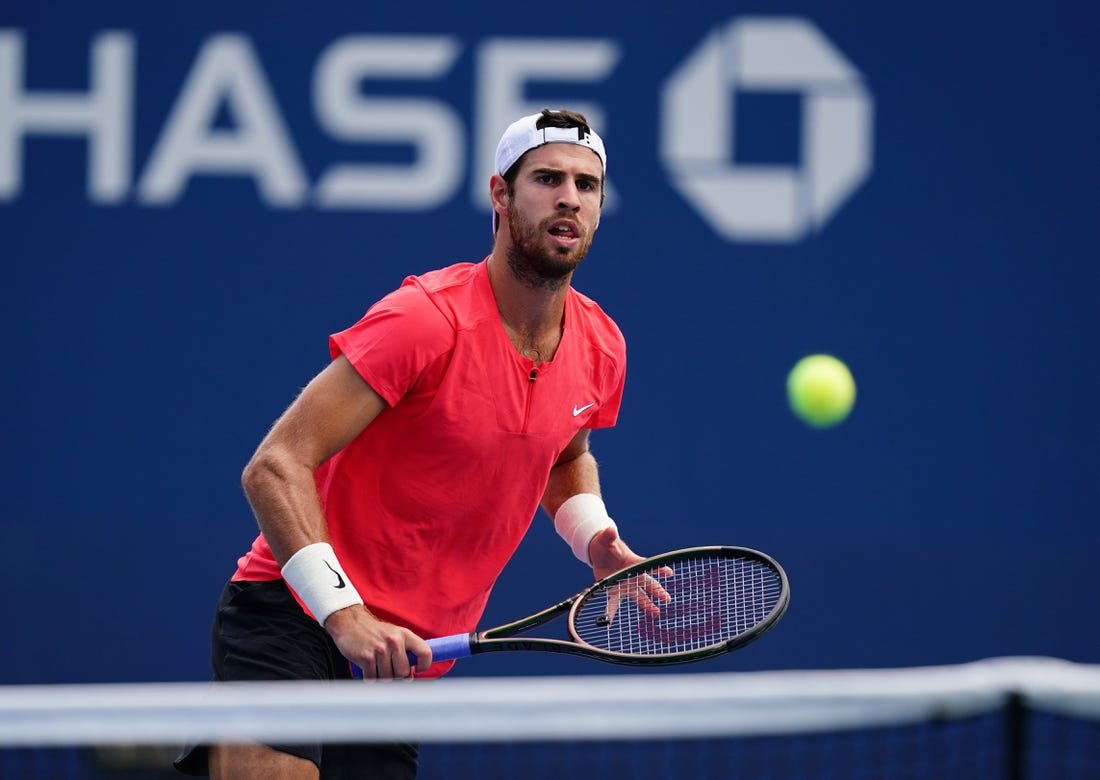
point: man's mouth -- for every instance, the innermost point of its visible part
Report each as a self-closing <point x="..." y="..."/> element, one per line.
<point x="563" y="229"/>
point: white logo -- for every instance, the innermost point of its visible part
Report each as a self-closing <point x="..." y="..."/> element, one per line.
<point x="697" y="125"/>
<point x="766" y="203"/>
<point x="577" y="410"/>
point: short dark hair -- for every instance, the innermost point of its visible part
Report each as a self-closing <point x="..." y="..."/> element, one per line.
<point x="563" y="117"/>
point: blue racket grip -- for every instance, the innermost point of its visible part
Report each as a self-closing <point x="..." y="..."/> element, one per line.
<point x="444" y="648"/>
<point x="447" y="648"/>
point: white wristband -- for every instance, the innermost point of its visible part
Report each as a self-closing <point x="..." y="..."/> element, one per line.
<point x="320" y="581"/>
<point x="579" y="519"/>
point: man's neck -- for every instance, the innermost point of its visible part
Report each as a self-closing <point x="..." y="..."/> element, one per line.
<point x="532" y="314"/>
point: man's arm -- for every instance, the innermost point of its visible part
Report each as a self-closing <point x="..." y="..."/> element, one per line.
<point x="576" y="473"/>
<point x="278" y="482"/>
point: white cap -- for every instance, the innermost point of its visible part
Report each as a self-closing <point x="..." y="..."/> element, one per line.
<point x="522" y="136"/>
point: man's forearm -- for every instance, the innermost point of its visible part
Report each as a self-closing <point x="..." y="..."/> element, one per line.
<point x="568" y="478"/>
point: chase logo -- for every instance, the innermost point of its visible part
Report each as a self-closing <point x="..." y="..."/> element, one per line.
<point x="698" y="126"/>
<point x="698" y="132"/>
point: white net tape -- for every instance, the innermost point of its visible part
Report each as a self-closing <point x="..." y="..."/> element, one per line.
<point x="549" y="708"/>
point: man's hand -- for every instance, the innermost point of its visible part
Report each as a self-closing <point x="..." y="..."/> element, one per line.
<point x="609" y="554"/>
<point x="380" y="649"/>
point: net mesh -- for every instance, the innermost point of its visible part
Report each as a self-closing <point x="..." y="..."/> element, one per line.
<point x="1003" y="718"/>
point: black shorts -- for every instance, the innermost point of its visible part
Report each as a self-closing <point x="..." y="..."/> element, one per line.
<point x="260" y="633"/>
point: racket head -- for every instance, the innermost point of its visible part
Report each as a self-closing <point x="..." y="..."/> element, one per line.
<point x="718" y="599"/>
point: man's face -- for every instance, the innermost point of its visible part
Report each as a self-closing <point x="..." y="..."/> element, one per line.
<point x="554" y="211"/>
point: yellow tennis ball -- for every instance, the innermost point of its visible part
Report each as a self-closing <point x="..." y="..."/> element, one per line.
<point x="821" y="390"/>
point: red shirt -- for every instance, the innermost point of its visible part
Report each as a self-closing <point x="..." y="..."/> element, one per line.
<point x="428" y="503"/>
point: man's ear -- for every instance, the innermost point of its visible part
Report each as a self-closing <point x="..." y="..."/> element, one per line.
<point x="498" y="194"/>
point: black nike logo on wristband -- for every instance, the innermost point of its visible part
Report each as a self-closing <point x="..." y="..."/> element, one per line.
<point x="339" y="580"/>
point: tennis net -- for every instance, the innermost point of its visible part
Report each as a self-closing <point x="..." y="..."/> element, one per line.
<point x="998" y="718"/>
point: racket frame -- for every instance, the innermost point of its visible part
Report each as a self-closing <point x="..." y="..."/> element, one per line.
<point x="503" y="637"/>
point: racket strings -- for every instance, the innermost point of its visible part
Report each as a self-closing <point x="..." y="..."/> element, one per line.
<point x="712" y="599"/>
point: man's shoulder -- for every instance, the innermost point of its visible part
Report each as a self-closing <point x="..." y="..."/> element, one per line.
<point x="440" y="280"/>
<point x="591" y="313"/>
<point x="456" y="292"/>
<point x="595" y="325"/>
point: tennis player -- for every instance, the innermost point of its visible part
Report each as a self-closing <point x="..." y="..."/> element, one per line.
<point x="394" y="489"/>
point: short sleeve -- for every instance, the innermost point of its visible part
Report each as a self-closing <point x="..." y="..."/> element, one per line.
<point x="608" y="413"/>
<point x="395" y="341"/>
<point x="606" y="355"/>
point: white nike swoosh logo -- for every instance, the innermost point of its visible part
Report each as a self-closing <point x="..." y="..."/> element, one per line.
<point x="577" y="411"/>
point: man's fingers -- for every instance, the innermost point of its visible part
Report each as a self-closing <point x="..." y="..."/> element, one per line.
<point x="656" y="589"/>
<point x="418" y="652"/>
<point x="645" y="590"/>
<point x="396" y="659"/>
<point x="383" y="667"/>
<point x="400" y="666"/>
<point x="613" y="599"/>
<point x="380" y="650"/>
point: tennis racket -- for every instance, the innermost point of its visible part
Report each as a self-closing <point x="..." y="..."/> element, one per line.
<point x="673" y="608"/>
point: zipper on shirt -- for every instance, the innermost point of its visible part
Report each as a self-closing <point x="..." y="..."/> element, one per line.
<point x="530" y="396"/>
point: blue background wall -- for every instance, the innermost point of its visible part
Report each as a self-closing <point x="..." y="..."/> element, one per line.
<point x="953" y="516"/>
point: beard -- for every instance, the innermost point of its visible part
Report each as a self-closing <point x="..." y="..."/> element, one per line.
<point x="533" y="260"/>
